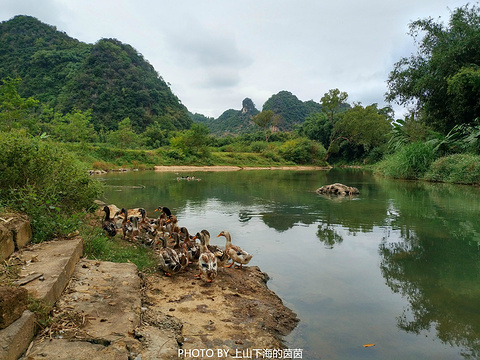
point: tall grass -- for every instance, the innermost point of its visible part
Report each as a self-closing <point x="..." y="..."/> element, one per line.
<point x="408" y="162"/>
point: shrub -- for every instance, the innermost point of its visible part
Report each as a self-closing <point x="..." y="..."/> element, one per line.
<point x="302" y="151"/>
<point x="457" y="168"/>
<point x="259" y="146"/>
<point x="43" y="180"/>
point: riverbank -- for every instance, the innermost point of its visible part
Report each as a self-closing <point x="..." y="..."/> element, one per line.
<point x="181" y="168"/>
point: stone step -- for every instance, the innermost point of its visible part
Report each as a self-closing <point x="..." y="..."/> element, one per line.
<point x="97" y="315"/>
<point x="54" y="261"/>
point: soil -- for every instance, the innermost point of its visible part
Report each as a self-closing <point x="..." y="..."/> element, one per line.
<point x="237" y="312"/>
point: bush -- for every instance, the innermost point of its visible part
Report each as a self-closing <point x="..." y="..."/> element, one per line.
<point x="302" y="151"/>
<point x="409" y="162"/>
<point x="43" y="180"/>
<point x="457" y="168"/>
<point x="259" y="146"/>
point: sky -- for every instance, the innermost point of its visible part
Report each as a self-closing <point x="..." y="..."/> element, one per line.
<point x="215" y="53"/>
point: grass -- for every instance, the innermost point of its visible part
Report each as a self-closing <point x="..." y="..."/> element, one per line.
<point x="409" y="162"/>
<point x="100" y="247"/>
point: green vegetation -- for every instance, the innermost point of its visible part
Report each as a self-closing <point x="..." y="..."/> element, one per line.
<point x="440" y="140"/>
<point x="45" y="181"/>
<point x="442" y="78"/>
<point x="98" y="246"/>
<point x="110" y="79"/>
<point x="67" y="106"/>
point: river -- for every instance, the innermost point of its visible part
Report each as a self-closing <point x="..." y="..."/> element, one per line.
<point x="397" y="266"/>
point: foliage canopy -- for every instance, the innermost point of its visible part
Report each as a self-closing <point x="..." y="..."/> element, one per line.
<point x="442" y="80"/>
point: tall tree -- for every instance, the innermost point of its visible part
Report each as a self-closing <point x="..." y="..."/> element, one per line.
<point x="266" y="120"/>
<point x="332" y="102"/>
<point x="441" y="80"/>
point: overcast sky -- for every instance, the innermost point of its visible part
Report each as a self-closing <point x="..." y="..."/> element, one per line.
<point x="215" y="53"/>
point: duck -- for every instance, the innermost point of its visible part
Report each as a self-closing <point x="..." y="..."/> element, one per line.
<point x="108" y="223"/>
<point x="161" y="221"/>
<point x="172" y="224"/>
<point x="193" y="248"/>
<point x="135" y="221"/>
<point x="181" y="250"/>
<point x="236" y="253"/>
<point x="147" y="230"/>
<point x="127" y="226"/>
<point x="168" y="259"/>
<point x="220" y="254"/>
<point x="207" y="261"/>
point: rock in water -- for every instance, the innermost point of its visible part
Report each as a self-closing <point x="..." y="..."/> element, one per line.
<point x="337" y="189"/>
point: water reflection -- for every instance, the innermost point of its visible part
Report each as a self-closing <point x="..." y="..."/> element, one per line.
<point x="435" y="265"/>
<point x="423" y="238"/>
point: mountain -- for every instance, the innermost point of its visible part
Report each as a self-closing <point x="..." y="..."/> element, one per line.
<point x="231" y="121"/>
<point x="292" y="110"/>
<point x="109" y="77"/>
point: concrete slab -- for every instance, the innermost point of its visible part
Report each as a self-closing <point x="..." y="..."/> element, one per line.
<point x="14" y="339"/>
<point x="103" y="299"/>
<point x="56" y="261"/>
<point x="107" y="295"/>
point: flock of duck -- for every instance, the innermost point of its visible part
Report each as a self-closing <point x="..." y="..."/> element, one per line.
<point x="174" y="245"/>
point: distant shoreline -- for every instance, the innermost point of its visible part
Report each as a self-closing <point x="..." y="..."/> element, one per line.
<point x="180" y="168"/>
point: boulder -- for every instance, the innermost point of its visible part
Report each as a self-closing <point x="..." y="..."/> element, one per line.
<point x="337" y="189"/>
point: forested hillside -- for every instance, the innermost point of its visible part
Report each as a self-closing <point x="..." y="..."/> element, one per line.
<point x="292" y="110"/>
<point x="231" y="121"/>
<point x="110" y="78"/>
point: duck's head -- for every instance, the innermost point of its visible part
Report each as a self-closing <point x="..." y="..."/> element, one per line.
<point x="164" y="210"/>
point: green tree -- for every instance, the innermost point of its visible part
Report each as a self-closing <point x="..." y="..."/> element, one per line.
<point x="15" y="111"/>
<point x="125" y="136"/>
<point x="441" y="80"/>
<point x="364" y="126"/>
<point x="193" y="141"/>
<point x="332" y="103"/>
<point x="266" y="120"/>
<point x="317" y="127"/>
<point x="75" y="126"/>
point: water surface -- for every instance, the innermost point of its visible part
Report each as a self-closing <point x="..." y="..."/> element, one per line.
<point x="397" y="266"/>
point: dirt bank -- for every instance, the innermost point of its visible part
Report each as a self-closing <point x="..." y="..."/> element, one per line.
<point x="237" y="312"/>
<point x="235" y="168"/>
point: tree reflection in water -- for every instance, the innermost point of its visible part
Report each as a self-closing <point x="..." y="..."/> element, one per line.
<point x="436" y="267"/>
